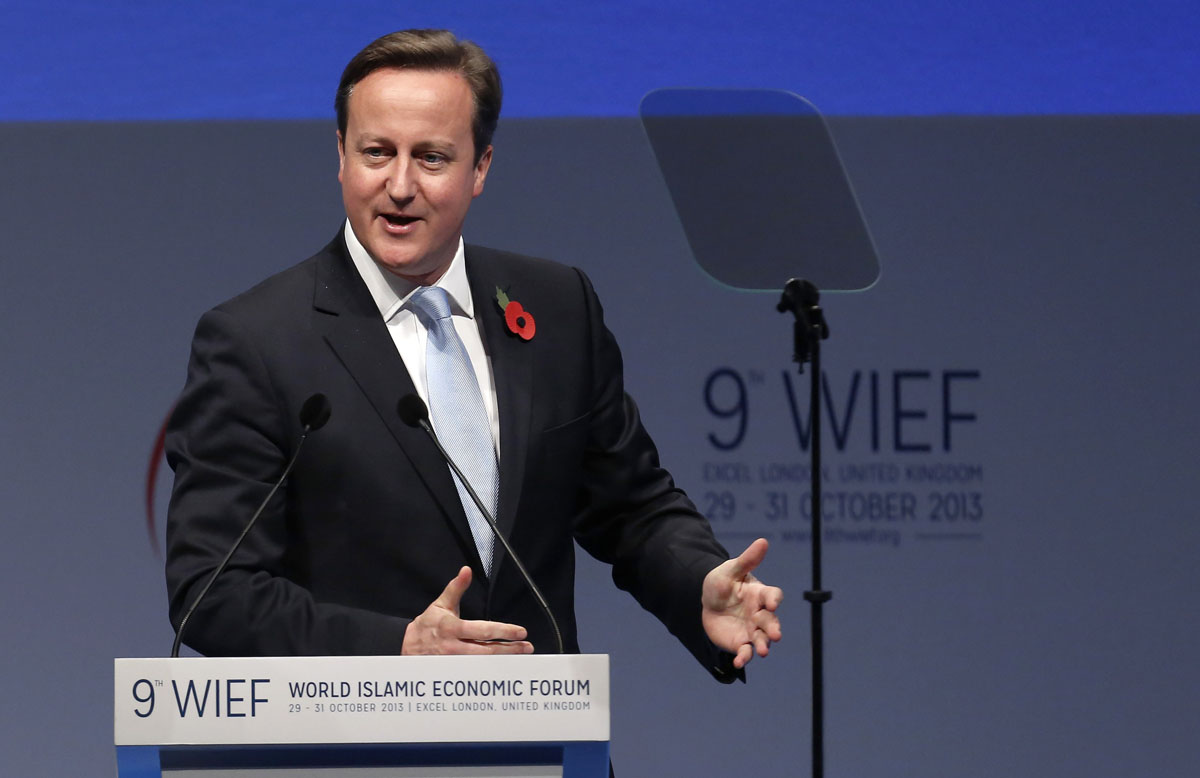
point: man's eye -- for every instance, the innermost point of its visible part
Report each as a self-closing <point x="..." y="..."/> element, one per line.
<point x="430" y="158"/>
<point x="374" y="153"/>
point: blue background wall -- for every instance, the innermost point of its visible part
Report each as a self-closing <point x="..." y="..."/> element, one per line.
<point x="154" y="60"/>
<point x="1031" y="179"/>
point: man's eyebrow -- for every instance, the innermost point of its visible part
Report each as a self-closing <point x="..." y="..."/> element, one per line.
<point x="441" y="143"/>
<point x="380" y="140"/>
<point x="371" y="140"/>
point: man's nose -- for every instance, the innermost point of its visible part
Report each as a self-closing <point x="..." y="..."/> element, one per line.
<point x="401" y="184"/>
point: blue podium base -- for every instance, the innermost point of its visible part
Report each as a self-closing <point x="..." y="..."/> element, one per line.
<point x="578" y="759"/>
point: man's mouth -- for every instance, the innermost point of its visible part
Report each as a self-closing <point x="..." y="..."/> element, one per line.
<point x="398" y="223"/>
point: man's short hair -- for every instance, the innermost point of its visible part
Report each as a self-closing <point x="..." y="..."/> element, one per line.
<point x="430" y="50"/>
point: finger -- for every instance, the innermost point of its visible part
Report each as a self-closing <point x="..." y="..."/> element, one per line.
<point x="452" y="594"/>
<point x="768" y="623"/>
<point x="762" y="645"/>
<point x="489" y="630"/>
<point x="483" y="648"/>
<point x="772" y="597"/>
<point x="502" y="646"/>
<point x="744" y="654"/>
<point x="749" y="559"/>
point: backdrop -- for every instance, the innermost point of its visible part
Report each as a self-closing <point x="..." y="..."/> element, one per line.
<point x="1010" y="436"/>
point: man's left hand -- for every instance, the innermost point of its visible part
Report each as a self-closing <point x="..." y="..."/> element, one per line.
<point x="738" y="609"/>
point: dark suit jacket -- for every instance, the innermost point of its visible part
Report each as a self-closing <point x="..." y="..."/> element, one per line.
<point x="369" y="529"/>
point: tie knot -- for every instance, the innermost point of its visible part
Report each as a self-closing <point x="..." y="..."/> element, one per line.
<point x="432" y="301"/>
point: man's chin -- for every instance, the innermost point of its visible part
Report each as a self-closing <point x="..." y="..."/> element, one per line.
<point x="419" y="270"/>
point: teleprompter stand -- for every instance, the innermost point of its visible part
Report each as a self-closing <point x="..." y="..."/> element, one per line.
<point x="809" y="329"/>
<point x="785" y="209"/>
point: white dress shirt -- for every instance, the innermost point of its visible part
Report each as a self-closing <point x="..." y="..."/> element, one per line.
<point x="391" y="294"/>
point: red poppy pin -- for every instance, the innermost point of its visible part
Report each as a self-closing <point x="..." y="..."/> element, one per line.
<point x="520" y="321"/>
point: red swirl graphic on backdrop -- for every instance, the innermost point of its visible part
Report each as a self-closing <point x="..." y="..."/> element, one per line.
<point x="156" y="459"/>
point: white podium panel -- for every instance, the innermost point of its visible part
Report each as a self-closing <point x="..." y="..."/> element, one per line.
<point x="288" y="716"/>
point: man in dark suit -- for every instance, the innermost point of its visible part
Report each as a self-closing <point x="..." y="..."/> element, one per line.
<point x="354" y="554"/>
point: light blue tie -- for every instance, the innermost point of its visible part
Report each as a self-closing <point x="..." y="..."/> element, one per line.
<point x="459" y="418"/>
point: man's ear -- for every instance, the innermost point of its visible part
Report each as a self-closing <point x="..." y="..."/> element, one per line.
<point x="481" y="171"/>
<point x="341" y="154"/>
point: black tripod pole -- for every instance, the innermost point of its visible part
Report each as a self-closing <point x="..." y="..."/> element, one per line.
<point x="810" y="328"/>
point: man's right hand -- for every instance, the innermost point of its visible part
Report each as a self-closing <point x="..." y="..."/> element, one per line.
<point x="439" y="630"/>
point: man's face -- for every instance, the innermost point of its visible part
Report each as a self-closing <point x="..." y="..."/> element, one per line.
<point x="407" y="167"/>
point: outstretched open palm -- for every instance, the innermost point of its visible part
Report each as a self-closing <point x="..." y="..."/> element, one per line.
<point x="738" y="610"/>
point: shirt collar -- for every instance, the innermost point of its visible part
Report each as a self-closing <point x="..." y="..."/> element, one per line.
<point x="390" y="292"/>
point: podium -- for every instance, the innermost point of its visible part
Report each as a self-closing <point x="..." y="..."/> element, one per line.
<point x="362" y="717"/>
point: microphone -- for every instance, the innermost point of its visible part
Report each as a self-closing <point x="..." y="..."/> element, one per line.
<point x="414" y="413"/>
<point x="313" y="414"/>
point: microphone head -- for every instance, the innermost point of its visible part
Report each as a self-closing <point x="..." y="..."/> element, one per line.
<point x="315" y="412"/>
<point x="412" y="410"/>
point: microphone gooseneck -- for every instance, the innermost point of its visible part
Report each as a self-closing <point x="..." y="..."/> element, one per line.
<point x="313" y="415"/>
<point x="415" y="413"/>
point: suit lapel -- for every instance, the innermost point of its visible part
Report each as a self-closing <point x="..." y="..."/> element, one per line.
<point x="353" y="328"/>
<point x="512" y="371"/>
